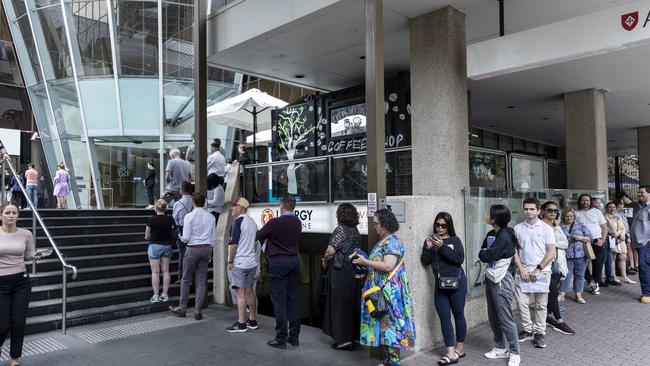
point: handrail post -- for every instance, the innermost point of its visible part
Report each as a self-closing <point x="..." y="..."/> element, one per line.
<point x="4" y="193"/>
<point x="64" y="299"/>
<point x="34" y="240"/>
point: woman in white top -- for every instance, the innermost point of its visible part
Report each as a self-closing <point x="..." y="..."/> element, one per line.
<point x="216" y="196"/>
<point x="16" y="246"/>
<point x="550" y="214"/>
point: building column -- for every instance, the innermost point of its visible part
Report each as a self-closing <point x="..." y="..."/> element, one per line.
<point x="586" y="140"/>
<point x="643" y="146"/>
<point x="439" y="125"/>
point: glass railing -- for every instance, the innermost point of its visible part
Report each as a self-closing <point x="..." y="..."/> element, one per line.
<point x="477" y="206"/>
<point x="325" y="179"/>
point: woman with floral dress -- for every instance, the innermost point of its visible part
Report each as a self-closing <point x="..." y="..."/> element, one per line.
<point x="396" y="330"/>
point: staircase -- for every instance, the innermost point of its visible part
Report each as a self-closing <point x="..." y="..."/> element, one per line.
<point x="109" y="249"/>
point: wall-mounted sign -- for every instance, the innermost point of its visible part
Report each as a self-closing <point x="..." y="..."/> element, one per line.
<point x="372" y="204"/>
<point x="314" y="218"/>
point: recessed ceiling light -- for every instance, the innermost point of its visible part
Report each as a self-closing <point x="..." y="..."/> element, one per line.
<point x="491" y="126"/>
<point x="545" y="118"/>
<point x="362" y="58"/>
<point x="511" y="107"/>
<point x="612" y="140"/>
<point x="299" y="76"/>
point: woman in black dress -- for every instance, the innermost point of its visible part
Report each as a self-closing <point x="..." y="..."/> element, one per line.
<point x="342" y="289"/>
<point x="150" y="183"/>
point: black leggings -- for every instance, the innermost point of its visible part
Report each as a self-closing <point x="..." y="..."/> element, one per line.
<point x="554" y="290"/>
<point x="14" y="301"/>
<point x="448" y="303"/>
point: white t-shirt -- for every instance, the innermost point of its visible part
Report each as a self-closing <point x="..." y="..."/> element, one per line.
<point x="242" y="233"/>
<point x="533" y="240"/>
<point x="592" y="219"/>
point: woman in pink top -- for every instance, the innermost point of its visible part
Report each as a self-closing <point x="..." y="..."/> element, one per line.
<point x="61" y="186"/>
<point x="16" y="246"/>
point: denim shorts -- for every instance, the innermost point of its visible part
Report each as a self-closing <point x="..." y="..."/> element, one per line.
<point x="156" y="251"/>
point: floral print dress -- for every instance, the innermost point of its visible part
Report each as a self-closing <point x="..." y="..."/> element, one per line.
<point x="397" y="328"/>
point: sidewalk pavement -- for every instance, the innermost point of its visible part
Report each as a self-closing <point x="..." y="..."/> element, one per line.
<point x="612" y="329"/>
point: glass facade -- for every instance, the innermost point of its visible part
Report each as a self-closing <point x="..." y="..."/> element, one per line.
<point x="111" y="87"/>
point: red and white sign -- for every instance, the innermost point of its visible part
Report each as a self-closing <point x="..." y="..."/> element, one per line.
<point x="630" y="20"/>
<point x="315" y="218"/>
<point x="266" y="216"/>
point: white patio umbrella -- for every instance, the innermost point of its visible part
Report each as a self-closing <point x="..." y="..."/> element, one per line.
<point x="237" y="111"/>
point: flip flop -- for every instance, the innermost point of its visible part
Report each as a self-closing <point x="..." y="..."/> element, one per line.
<point x="445" y="360"/>
<point x="458" y="355"/>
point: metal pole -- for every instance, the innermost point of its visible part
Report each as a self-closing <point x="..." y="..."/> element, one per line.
<point x="501" y="19"/>
<point x="200" y="97"/>
<point x="34" y="237"/>
<point x="64" y="299"/>
<point x="254" y="135"/>
<point x="375" y="126"/>
<point x="4" y="193"/>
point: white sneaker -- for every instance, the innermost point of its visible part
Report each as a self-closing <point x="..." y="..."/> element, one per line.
<point x="497" y="353"/>
<point x="514" y="360"/>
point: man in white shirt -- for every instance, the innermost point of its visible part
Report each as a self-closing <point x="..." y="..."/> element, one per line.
<point x="242" y="265"/>
<point x="537" y="242"/>
<point x="595" y="221"/>
<point x="200" y="234"/>
<point x="216" y="160"/>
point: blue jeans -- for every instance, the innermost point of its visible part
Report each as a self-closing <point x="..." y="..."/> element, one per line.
<point x="32" y="193"/>
<point x="644" y="269"/>
<point x="609" y="267"/>
<point x="575" y="275"/>
<point x="284" y="276"/>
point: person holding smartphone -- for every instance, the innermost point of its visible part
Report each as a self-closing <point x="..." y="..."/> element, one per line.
<point x="444" y="252"/>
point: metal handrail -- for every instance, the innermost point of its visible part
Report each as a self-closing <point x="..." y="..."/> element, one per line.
<point x="36" y="216"/>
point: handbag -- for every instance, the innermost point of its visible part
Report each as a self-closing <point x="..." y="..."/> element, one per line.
<point x="374" y="299"/>
<point x="448" y="283"/>
<point x="614" y="246"/>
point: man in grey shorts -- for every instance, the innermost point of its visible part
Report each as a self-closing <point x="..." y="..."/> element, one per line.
<point x="242" y="265"/>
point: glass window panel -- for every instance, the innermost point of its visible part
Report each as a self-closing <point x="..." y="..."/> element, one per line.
<point x="487" y="170"/>
<point x="307" y="181"/>
<point x="505" y="143"/>
<point x="140" y="106"/>
<point x="9" y="72"/>
<point x="100" y="107"/>
<point x="178" y="50"/>
<point x="29" y="55"/>
<point x="15" y="111"/>
<point x="51" y="20"/>
<point x="65" y="92"/>
<point x="349" y="178"/>
<point x="19" y="7"/>
<point x="527" y="173"/>
<point x="137" y="31"/>
<point x="89" y="25"/>
<point x="349" y="120"/>
<point x="557" y="175"/>
<point x="399" y="176"/>
<point x="490" y="140"/>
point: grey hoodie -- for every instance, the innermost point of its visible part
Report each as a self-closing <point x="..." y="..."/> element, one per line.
<point x="641" y="226"/>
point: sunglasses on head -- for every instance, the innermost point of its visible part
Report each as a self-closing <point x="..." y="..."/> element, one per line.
<point x="552" y="210"/>
<point x="442" y="226"/>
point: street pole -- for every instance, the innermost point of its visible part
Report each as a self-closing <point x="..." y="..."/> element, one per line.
<point x="200" y="97"/>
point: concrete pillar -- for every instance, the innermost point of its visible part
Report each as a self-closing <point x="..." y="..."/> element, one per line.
<point x="586" y="139"/>
<point x="643" y="146"/>
<point x="439" y="123"/>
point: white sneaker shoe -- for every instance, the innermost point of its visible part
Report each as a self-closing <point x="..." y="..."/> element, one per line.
<point x="514" y="360"/>
<point x="497" y="353"/>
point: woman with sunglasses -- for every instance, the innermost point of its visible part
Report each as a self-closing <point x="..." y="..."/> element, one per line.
<point x="444" y="252"/>
<point x="550" y="214"/>
<point x="396" y="330"/>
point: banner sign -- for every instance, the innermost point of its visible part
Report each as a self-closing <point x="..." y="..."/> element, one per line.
<point x="316" y="218"/>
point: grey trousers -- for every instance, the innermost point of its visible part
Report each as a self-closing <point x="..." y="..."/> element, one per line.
<point x="499" y="305"/>
<point x="195" y="261"/>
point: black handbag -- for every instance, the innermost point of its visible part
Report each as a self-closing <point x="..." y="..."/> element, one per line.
<point x="448" y="283"/>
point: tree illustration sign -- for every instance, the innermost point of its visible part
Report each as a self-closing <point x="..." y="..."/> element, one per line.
<point x="293" y="132"/>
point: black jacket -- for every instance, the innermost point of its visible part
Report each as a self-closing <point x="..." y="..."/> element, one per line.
<point x="447" y="260"/>
<point x="150" y="180"/>
<point x="502" y="247"/>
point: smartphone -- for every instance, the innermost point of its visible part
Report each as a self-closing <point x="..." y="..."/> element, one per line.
<point x="435" y="236"/>
<point x="46" y="253"/>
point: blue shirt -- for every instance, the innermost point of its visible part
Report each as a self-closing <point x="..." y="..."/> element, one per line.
<point x="181" y="208"/>
<point x="199" y="228"/>
<point x="576" y="249"/>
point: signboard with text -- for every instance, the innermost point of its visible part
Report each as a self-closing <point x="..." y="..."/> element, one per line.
<point x="318" y="218"/>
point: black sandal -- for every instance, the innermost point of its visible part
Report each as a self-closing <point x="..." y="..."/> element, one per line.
<point x="445" y="360"/>
<point x="458" y="355"/>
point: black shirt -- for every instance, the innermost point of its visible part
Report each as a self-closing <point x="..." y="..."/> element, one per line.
<point x="282" y="234"/>
<point x="150" y="180"/>
<point x="446" y="260"/>
<point x="161" y="227"/>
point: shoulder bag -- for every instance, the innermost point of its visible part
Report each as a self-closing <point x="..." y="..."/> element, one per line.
<point x="612" y="242"/>
<point x="374" y="296"/>
<point x="589" y="251"/>
<point x="446" y="282"/>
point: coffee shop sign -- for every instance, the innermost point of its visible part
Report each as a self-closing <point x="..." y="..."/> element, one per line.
<point x="314" y="218"/>
<point x="360" y="144"/>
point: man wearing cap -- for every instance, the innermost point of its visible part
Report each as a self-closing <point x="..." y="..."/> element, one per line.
<point x="282" y="235"/>
<point x="242" y="265"/>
